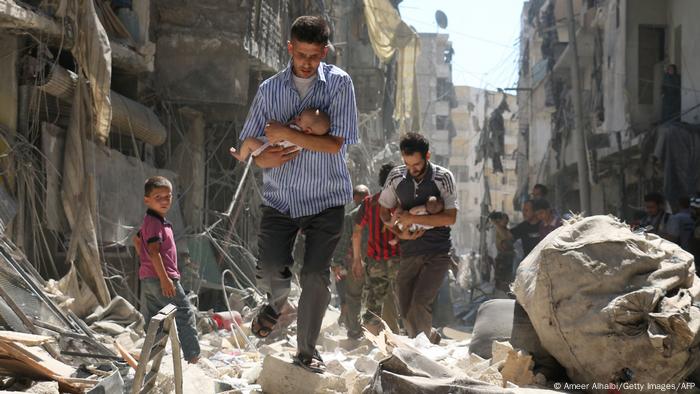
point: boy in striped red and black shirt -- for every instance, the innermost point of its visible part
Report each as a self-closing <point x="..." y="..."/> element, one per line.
<point x="382" y="261"/>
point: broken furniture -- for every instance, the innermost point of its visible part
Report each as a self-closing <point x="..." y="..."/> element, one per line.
<point x="161" y="327"/>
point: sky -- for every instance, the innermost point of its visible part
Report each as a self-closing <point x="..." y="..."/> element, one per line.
<point x="484" y="35"/>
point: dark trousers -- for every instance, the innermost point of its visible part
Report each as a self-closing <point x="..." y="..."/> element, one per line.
<point x="417" y="284"/>
<point x="153" y="300"/>
<point x="275" y="243"/>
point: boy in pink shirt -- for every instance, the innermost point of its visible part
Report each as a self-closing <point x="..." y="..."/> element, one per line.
<point x="158" y="272"/>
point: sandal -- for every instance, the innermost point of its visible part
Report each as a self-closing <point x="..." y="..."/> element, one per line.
<point x="264" y="322"/>
<point x="312" y="364"/>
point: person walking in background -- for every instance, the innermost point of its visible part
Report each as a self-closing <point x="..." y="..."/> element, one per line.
<point x="381" y="261"/>
<point x="348" y="286"/>
<point x="549" y="221"/>
<point x="656" y="219"/>
<point x="681" y="225"/>
<point x="528" y="231"/>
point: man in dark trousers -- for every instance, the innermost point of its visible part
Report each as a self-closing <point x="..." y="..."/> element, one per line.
<point x="306" y="189"/>
<point x="425" y="256"/>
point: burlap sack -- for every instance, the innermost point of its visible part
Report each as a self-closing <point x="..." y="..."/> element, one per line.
<point x="613" y="306"/>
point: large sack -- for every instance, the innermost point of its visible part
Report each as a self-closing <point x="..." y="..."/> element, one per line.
<point x="612" y="305"/>
<point x="505" y="320"/>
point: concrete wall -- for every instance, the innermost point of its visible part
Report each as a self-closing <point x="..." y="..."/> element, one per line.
<point x="651" y="13"/>
<point x="684" y="13"/>
<point x="614" y="69"/>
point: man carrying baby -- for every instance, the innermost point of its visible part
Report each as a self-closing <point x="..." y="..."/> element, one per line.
<point x="425" y="255"/>
<point x="303" y="189"/>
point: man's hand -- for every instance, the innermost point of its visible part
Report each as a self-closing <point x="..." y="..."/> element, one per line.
<point x="168" y="287"/>
<point x="358" y="270"/>
<point x="404" y="218"/>
<point x="408" y="235"/>
<point x="338" y="272"/>
<point x="275" y="156"/>
<point x="276" y="132"/>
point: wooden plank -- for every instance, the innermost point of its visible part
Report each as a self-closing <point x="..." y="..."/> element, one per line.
<point x="24" y="338"/>
<point x="126" y="355"/>
<point x="36" y="358"/>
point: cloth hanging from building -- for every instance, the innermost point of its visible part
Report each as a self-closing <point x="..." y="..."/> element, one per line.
<point x="91" y="116"/>
<point x="388" y="33"/>
<point x="93" y="54"/>
<point x="678" y="148"/>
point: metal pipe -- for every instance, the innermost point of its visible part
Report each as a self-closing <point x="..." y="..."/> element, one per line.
<point x="128" y="116"/>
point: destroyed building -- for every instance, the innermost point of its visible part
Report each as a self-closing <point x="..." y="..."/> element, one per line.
<point x="170" y="84"/>
<point x="623" y="48"/>
<point x="479" y="183"/>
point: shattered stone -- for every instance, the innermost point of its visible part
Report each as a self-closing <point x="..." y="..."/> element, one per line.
<point x="279" y="375"/>
<point x="336" y="368"/>
<point x="359" y="351"/>
<point x="518" y="368"/>
<point x="251" y="375"/>
<point x="359" y="384"/>
<point x="491" y="376"/>
<point x="499" y="351"/>
<point x="44" y="388"/>
<point x="366" y="364"/>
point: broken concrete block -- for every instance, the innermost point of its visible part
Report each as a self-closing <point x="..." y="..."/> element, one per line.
<point x="44" y="388"/>
<point x="518" y="368"/>
<point x="335" y="367"/>
<point x="279" y="375"/>
<point x="329" y="342"/>
<point x="499" y="351"/>
<point x="366" y="364"/>
<point x="477" y="366"/>
<point x="491" y="376"/>
<point x="350" y="344"/>
<point x="251" y="375"/>
<point x="359" y="351"/>
<point x="359" y="384"/>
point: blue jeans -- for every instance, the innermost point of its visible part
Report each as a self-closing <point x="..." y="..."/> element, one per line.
<point x="153" y="300"/>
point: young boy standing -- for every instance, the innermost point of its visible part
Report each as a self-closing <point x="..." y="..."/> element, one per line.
<point x="158" y="272"/>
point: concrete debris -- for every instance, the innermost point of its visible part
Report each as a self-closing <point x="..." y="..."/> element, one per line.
<point x="44" y="388"/>
<point x="518" y="369"/>
<point x="500" y="351"/>
<point x="279" y="375"/>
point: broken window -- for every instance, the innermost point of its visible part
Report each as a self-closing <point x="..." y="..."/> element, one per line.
<point x="651" y="51"/>
<point x="441" y="122"/>
<point x="443" y="88"/>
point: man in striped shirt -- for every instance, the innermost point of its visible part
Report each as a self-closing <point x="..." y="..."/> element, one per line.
<point x="306" y="189"/>
<point x="382" y="261"/>
<point x="425" y="256"/>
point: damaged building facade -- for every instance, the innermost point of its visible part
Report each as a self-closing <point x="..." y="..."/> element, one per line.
<point x="483" y="185"/>
<point x="623" y="50"/>
<point x="164" y="88"/>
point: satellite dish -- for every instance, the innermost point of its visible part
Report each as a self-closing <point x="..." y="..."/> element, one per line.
<point x="441" y="19"/>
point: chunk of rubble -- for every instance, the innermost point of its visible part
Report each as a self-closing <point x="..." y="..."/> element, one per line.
<point x="366" y="364"/>
<point x="499" y="352"/>
<point x="518" y="368"/>
<point x="44" y="388"/>
<point x="279" y="375"/>
<point x="335" y="367"/>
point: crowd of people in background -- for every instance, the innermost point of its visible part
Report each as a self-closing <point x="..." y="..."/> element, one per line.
<point x="680" y="225"/>
<point x="509" y="246"/>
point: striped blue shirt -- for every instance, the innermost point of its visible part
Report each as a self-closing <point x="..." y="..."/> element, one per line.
<point x="313" y="181"/>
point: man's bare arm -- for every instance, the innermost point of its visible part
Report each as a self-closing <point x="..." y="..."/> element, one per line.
<point x="274" y="156"/>
<point x="276" y="132"/>
<point x="446" y="218"/>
